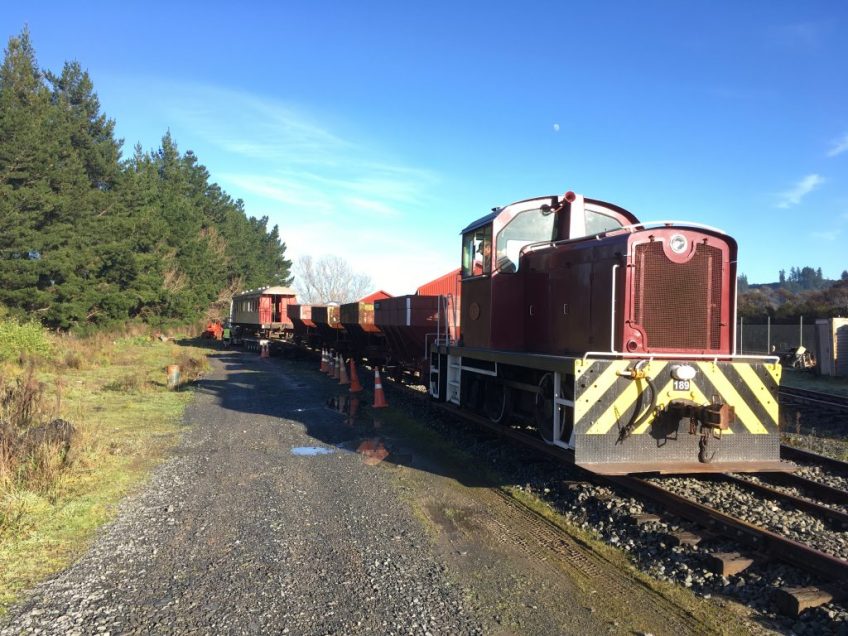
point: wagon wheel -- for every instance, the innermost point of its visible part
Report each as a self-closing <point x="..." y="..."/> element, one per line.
<point x="544" y="410"/>
<point x="498" y="402"/>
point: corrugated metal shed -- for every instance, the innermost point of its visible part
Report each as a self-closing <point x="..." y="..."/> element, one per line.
<point x="445" y="285"/>
<point x="377" y="295"/>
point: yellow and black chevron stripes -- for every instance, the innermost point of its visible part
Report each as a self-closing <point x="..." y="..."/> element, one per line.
<point x="608" y="374"/>
<point x="605" y="399"/>
<point x="624" y="401"/>
<point x="730" y="395"/>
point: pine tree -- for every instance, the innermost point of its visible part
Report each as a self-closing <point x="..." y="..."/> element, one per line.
<point x="86" y="240"/>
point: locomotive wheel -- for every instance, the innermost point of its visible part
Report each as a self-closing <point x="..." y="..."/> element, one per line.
<point x="544" y="410"/>
<point x="497" y="402"/>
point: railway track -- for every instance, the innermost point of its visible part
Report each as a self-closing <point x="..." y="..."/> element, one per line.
<point x="793" y="395"/>
<point x="761" y="542"/>
<point x="800" y="455"/>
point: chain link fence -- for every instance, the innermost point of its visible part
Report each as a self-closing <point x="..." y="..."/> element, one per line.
<point x="766" y="338"/>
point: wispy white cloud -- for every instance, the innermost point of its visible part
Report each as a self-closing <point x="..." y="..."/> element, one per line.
<point x="372" y="206"/>
<point x="827" y="235"/>
<point x="801" y="189"/>
<point x="328" y="192"/>
<point x="838" y="146"/>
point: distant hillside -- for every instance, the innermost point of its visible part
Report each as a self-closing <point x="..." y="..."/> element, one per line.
<point x="804" y="292"/>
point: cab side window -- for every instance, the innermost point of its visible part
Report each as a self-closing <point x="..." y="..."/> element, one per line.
<point x="597" y="222"/>
<point x="530" y="226"/>
<point x="477" y="252"/>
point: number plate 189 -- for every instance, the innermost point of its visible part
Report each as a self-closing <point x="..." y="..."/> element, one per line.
<point x="681" y="385"/>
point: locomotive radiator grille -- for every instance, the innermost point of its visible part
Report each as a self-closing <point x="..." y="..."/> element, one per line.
<point x="678" y="304"/>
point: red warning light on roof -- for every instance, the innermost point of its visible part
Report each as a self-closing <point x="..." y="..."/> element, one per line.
<point x="570" y="196"/>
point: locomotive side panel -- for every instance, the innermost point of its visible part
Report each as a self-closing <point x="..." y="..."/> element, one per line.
<point x="476" y="303"/>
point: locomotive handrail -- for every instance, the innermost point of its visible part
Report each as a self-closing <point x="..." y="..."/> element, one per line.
<point x="612" y="309"/>
<point x="642" y="225"/>
<point x="669" y="223"/>
<point x="680" y="356"/>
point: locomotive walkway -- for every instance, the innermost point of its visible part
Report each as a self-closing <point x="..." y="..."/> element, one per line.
<point x="267" y="520"/>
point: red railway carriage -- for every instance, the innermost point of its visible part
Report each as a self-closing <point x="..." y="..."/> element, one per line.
<point x="364" y="337"/>
<point x="329" y="327"/>
<point x="449" y="287"/>
<point x="263" y="312"/>
<point x="615" y="336"/>
<point x="411" y="322"/>
<point x="305" y="329"/>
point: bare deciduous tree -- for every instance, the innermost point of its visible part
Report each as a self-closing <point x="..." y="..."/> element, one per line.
<point x="328" y="279"/>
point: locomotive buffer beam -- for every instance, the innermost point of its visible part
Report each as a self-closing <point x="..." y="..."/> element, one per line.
<point x="708" y="421"/>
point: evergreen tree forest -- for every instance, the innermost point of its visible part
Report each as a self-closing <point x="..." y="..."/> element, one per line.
<point x="89" y="239"/>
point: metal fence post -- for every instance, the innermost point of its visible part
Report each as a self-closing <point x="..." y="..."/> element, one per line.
<point x="768" y="335"/>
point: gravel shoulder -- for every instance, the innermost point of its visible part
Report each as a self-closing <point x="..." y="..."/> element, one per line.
<point x="362" y="532"/>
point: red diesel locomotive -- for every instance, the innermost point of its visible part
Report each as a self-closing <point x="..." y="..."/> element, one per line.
<point x="616" y="336"/>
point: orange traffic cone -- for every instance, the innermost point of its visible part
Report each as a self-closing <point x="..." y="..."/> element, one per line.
<point x="379" y="396"/>
<point x="355" y="386"/>
<point x="342" y="372"/>
<point x="323" y="367"/>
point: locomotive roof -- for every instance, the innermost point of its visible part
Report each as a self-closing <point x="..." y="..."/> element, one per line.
<point x="485" y="220"/>
<point x="482" y="221"/>
<point x="266" y="291"/>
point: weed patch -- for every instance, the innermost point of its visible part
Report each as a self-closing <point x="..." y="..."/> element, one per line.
<point x="78" y="431"/>
<point x="23" y="340"/>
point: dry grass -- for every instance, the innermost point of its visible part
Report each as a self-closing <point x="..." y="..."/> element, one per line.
<point x="59" y="479"/>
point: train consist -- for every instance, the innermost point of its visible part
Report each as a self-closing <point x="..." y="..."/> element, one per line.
<point x="614" y="337"/>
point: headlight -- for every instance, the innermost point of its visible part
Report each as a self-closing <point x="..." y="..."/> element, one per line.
<point x="678" y="243"/>
<point x="683" y="372"/>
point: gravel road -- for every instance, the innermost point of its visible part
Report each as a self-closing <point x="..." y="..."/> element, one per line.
<point x="277" y="514"/>
<point x="237" y="535"/>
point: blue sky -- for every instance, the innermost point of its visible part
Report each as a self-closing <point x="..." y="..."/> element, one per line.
<point x="377" y="130"/>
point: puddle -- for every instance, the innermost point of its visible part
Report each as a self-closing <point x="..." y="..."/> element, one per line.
<point x="373" y="451"/>
<point x="311" y="451"/>
<point x="347" y="405"/>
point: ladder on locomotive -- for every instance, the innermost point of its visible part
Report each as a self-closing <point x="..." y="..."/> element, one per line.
<point x="446" y="308"/>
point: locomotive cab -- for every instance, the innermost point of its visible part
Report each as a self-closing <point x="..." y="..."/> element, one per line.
<point x="505" y="302"/>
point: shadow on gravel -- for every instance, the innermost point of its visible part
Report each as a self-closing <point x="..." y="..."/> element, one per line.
<point x="289" y="388"/>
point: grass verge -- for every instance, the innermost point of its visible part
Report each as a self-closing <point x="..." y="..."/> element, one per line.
<point x="114" y="392"/>
<point x="812" y="382"/>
